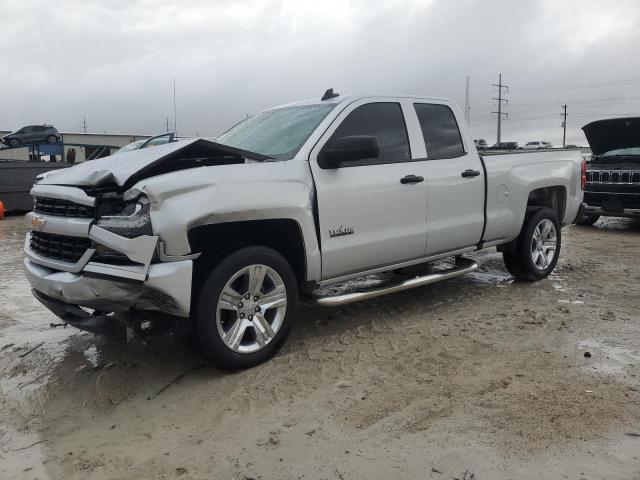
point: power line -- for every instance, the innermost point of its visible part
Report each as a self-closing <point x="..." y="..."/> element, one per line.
<point x="611" y="83"/>
<point x="500" y="100"/>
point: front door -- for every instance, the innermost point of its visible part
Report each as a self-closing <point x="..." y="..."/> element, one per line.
<point x="372" y="213"/>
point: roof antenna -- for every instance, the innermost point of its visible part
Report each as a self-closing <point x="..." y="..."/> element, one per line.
<point x="328" y="95"/>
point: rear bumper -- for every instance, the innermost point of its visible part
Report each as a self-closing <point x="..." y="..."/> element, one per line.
<point x="167" y="288"/>
<point x="592" y="210"/>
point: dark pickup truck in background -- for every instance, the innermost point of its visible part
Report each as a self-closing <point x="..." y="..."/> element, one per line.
<point x="613" y="174"/>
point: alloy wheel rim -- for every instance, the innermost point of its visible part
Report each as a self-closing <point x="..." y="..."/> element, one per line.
<point x="251" y="308"/>
<point x="544" y="244"/>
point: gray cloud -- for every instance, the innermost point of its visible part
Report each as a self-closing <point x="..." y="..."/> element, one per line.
<point x="113" y="61"/>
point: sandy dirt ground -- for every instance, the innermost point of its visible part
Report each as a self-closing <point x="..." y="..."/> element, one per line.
<point x="479" y="374"/>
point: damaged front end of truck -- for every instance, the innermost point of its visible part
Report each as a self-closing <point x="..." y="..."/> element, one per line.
<point x="92" y="250"/>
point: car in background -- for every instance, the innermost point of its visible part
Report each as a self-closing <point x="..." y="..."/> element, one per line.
<point x="537" y="145"/>
<point x="148" y="142"/>
<point x="505" y="146"/>
<point x="612" y="175"/>
<point x="32" y="134"/>
<point x="481" y="144"/>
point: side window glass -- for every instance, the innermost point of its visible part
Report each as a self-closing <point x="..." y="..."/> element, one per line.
<point x="383" y="120"/>
<point x="440" y="131"/>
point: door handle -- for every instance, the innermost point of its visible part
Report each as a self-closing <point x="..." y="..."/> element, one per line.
<point x="470" y="173"/>
<point x="411" y="179"/>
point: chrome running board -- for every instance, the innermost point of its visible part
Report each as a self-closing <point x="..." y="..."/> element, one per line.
<point x="463" y="265"/>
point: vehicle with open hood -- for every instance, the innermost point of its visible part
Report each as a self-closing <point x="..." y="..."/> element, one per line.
<point x="613" y="172"/>
<point x="227" y="236"/>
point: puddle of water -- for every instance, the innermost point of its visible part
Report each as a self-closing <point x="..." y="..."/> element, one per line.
<point x="490" y="277"/>
<point x="608" y="359"/>
<point x="30" y="350"/>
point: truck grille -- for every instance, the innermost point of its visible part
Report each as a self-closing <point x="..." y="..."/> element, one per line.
<point x="62" y="208"/>
<point x="59" y="247"/>
<point x="613" y="176"/>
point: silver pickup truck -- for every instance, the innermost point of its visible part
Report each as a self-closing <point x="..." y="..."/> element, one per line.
<point x="228" y="235"/>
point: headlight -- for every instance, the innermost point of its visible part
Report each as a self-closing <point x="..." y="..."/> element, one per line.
<point x="131" y="222"/>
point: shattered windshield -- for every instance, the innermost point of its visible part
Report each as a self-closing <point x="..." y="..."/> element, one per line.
<point x="277" y="133"/>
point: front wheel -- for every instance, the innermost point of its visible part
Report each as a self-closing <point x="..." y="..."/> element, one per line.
<point x="14" y="142"/>
<point x="246" y="308"/>
<point x="535" y="252"/>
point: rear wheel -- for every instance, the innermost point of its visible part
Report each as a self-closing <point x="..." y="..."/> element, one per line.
<point x="535" y="252"/>
<point x="52" y="139"/>
<point x="246" y="308"/>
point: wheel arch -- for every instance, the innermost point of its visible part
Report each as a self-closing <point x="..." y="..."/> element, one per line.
<point x="554" y="197"/>
<point x="218" y="240"/>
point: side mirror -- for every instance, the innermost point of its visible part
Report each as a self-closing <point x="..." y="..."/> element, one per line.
<point x="346" y="149"/>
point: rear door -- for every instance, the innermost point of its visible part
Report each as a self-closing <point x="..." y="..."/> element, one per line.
<point x="368" y="215"/>
<point x="455" y="182"/>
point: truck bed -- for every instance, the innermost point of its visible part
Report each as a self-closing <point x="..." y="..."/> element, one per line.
<point x="511" y="175"/>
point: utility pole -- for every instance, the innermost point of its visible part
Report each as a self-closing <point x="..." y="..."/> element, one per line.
<point x="564" y="125"/>
<point x="467" y="107"/>
<point x="167" y="124"/>
<point x="175" y="115"/>
<point x="500" y="99"/>
<point x="84" y="124"/>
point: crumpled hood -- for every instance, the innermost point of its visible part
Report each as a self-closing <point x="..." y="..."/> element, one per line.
<point x="612" y="134"/>
<point x="129" y="167"/>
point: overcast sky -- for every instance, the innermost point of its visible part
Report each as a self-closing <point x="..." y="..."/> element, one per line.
<point x="113" y="60"/>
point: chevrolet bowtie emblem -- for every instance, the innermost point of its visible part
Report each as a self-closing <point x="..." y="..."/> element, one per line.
<point x="37" y="223"/>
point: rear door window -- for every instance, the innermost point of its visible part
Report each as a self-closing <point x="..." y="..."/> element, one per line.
<point x="440" y="131"/>
<point x="383" y="120"/>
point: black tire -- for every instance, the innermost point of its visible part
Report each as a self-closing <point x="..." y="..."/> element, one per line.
<point x="52" y="139"/>
<point x="213" y="346"/>
<point x="14" y="142"/>
<point x="518" y="256"/>
<point x="588" y="220"/>
<point x="512" y="264"/>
